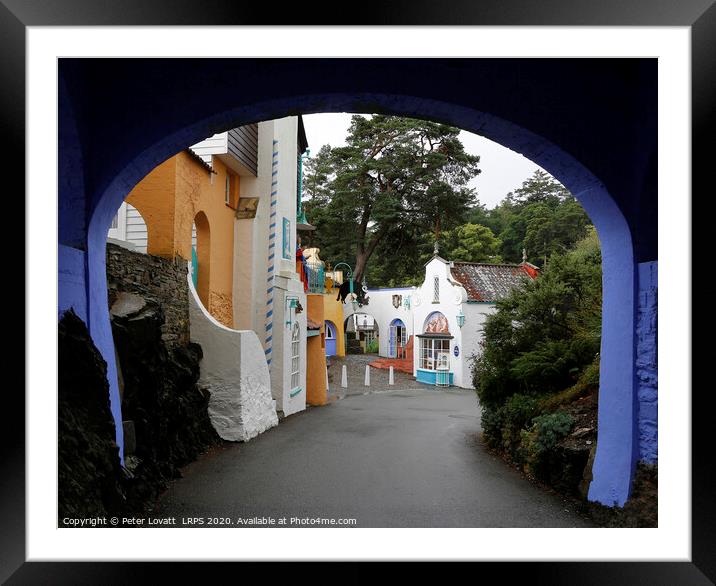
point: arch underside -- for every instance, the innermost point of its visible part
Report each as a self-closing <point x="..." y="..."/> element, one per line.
<point x="617" y="451"/>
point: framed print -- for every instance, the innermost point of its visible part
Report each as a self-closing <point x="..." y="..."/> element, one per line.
<point x="587" y="104"/>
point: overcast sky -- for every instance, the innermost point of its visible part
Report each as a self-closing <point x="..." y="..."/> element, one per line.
<point x="503" y="170"/>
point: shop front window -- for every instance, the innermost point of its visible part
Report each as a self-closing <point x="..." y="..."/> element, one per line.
<point x="430" y="351"/>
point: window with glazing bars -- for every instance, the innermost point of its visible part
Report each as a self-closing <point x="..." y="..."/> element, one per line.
<point x="436" y="292"/>
<point x="430" y="348"/>
<point x="295" y="356"/>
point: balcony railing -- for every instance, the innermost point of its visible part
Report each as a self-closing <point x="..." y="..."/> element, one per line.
<point x="316" y="278"/>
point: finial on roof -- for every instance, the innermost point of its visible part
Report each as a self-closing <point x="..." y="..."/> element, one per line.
<point x="436" y="248"/>
<point x="524" y="255"/>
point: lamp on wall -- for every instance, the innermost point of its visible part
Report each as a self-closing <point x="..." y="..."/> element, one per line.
<point x="292" y="303"/>
<point x="460" y="318"/>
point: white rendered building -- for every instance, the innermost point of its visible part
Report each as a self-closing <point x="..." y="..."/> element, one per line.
<point x="445" y="316"/>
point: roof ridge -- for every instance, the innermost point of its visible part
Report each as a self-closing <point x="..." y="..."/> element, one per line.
<point x="486" y="264"/>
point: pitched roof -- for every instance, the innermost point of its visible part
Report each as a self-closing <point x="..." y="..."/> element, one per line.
<point x="491" y="282"/>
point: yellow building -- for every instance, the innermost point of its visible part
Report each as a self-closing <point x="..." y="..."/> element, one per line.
<point x="333" y="318"/>
<point x="316" y="390"/>
<point x="183" y="200"/>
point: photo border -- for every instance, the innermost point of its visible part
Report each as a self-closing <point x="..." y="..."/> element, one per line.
<point x="700" y="15"/>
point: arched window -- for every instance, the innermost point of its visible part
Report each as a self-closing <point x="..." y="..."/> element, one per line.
<point x="331" y="334"/>
<point x="295" y="356"/>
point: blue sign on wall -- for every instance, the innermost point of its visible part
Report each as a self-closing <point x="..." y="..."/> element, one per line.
<point x="456" y="351"/>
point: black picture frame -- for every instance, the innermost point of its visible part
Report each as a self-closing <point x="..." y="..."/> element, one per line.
<point x="700" y="15"/>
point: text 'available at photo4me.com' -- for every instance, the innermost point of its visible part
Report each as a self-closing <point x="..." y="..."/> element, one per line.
<point x="263" y="521"/>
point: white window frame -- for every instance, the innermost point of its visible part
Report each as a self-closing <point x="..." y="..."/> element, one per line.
<point x="330" y="331"/>
<point x="227" y="189"/>
<point x="429" y="351"/>
<point x="296" y="356"/>
<point x="436" y="291"/>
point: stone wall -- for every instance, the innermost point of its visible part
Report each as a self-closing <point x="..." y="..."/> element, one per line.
<point x="156" y="279"/>
<point x="646" y="361"/>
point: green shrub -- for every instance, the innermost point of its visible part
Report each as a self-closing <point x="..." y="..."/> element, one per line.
<point x="541" y="437"/>
<point x="516" y="415"/>
<point x="588" y="381"/>
<point x="372" y="347"/>
<point x="545" y="334"/>
<point x="491" y="423"/>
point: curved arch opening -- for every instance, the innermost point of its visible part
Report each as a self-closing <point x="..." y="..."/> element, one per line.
<point x="201" y="258"/>
<point x="397" y="339"/>
<point x="615" y="459"/>
<point x="362" y="333"/>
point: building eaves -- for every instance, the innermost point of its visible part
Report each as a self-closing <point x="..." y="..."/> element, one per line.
<point x="199" y="160"/>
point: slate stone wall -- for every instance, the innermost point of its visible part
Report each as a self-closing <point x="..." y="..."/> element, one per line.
<point x="646" y="361"/>
<point x="155" y="279"/>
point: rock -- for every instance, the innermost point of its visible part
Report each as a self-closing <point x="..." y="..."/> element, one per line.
<point x="126" y="304"/>
<point x="130" y="438"/>
<point x="160" y="397"/>
<point x="89" y="471"/>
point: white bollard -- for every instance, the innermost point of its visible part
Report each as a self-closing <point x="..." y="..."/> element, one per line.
<point x="344" y="377"/>
<point x="367" y="375"/>
<point x="391" y="377"/>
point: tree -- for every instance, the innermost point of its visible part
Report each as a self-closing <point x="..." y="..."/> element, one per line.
<point x="541" y="217"/>
<point x="545" y="334"/>
<point x="470" y="243"/>
<point x="395" y="175"/>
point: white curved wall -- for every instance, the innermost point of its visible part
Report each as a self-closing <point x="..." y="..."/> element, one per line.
<point x="235" y="372"/>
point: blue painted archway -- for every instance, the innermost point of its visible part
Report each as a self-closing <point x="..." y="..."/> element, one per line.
<point x="396" y="338"/>
<point x="590" y="123"/>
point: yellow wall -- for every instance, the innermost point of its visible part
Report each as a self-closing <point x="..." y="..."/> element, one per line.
<point x="316" y="392"/>
<point x="169" y="198"/>
<point x="333" y="311"/>
<point x="153" y="197"/>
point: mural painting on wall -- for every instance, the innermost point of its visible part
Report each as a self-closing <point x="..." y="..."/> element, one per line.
<point x="397" y="300"/>
<point x="437" y="324"/>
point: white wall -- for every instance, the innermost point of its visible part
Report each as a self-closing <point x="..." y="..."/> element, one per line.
<point x="234" y="370"/>
<point x="130" y="227"/>
<point x="281" y="353"/>
<point x="472" y="333"/>
<point x="451" y="299"/>
<point x="252" y="242"/>
<point x="380" y="307"/>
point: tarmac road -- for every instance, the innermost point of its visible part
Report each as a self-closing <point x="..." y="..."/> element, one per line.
<point x="407" y="458"/>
